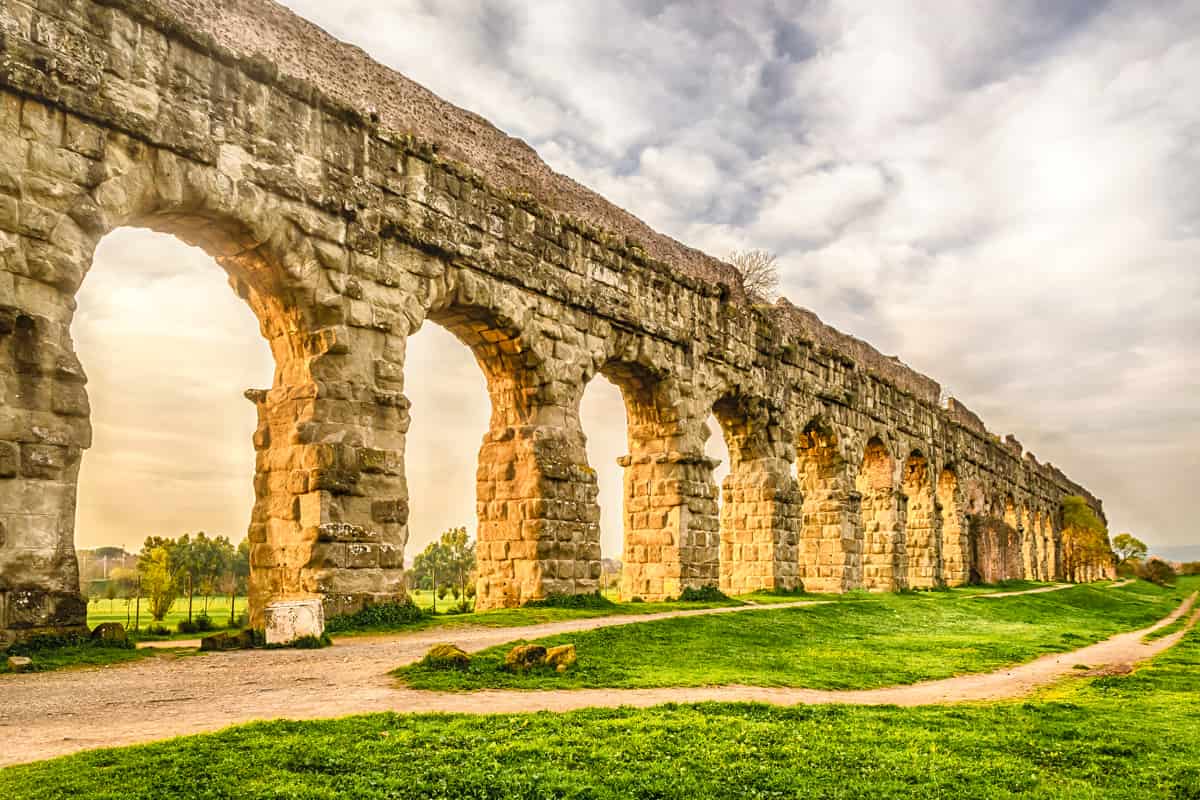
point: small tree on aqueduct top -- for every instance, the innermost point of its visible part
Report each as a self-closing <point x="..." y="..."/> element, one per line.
<point x="759" y="270"/>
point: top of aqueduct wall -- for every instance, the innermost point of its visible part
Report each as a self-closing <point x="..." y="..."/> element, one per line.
<point x="280" y="47"/>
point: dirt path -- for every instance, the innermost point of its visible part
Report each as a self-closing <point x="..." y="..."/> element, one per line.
<point x="46" y="715"/>
<point x="1058" y="587"/>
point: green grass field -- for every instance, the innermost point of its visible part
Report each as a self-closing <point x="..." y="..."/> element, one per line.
<point x="115" y="611"/>
<point x="1133" y="736"/>
<point x="862" y="642"/>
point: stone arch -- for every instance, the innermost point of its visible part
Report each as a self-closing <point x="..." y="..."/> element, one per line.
<point x="324" y="485"/>
<point x="956" y="550"/>
<point x="884" y="560"/>
<point x="830" y="533"/>
<point x="671" y="528"/>
<point x="760" y="516"/>
<point x="923" y="523"/>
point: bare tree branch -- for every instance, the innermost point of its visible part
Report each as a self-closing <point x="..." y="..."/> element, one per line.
<point x="760" y="272"/>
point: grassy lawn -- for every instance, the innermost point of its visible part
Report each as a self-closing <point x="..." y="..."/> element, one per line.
<point x="1134" y="736"/>
<point x="114" y="611"/>
<point x="863" y="642"/>
<point x="86" y="655"/>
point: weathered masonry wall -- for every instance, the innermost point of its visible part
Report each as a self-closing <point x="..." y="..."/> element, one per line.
<point x="349" y="207"/>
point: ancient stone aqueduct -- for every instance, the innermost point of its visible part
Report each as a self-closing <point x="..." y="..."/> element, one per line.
<point x="349" y="207"/>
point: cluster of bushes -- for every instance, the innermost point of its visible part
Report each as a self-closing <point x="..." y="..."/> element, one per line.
<point x="383" y="615"/>
<point x="1156" y="571"/>
<point x="702" y="594"/>
<point x="557" y="600"/>
<point x="40" y="644"/>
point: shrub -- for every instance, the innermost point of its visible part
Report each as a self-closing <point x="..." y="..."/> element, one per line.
<point x="446" y="656"/>
<point x="203" y="623"/>
<point x="187" y="626"/>
<point x="41" y="644"/>
<point x="1156" y="571"/>
<point x="312" y="642"/>
<point x="702" y="594"/>
<point x="558" y="600"/>
<point x="384" y="615"/>
<point x="158" y="630"/>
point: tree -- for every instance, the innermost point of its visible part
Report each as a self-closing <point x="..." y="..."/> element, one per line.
<point x="1156" y="571"/>
<point x="459" y="557"/>
<point x="236" y="575"/>
<point x="1085" y="539"/>
<point x="124" y="582"/>
<point x="159" y="581"/>
<point x="215" y="556"/>
<point x="759" y="270"/>
<point x="190" y="560"/>
<point x="1128" y="547"/>
<point x="429" y="564"/>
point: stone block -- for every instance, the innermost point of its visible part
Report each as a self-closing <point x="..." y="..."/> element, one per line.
<point x="289" y="620"/>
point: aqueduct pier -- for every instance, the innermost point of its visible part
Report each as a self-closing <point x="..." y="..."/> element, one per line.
<point x="349" y="206"/>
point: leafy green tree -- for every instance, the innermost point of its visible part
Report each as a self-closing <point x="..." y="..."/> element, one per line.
<point x="215" y="557"/>
<point x="1156" y="571"/>
<point x="160" y="582"/>
<point x="1085" y="538"/>
<point x="446" y="563"/>
<point x="236" y="575"/>
<point x="459" y="558"/>
<point x="1128" y="547"/>
<point x="125" y="583"/>
<point x="189" y="560"/>
<point x="430" y="567"/>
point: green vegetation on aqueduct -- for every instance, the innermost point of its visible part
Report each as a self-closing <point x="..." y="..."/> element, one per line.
<point x="1133" y="736"/>
<point x="859" y="642"/>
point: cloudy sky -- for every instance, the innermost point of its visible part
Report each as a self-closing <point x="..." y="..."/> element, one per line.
<point x="1006" y="194"/>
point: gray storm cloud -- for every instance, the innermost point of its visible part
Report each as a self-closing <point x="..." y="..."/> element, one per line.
<point x="1007" y="194"/>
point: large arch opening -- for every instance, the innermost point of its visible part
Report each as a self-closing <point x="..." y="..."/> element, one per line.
<point x="170" y="352"/>
<point x="603" y="417"/>
<point x="449" y="411"/>
<point x="883" y="511"/>
<point x="760" y="504"/>
<point x="830" y="544"/>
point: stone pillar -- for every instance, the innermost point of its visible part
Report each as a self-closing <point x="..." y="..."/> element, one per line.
<point x="671" y="526"/>
<point x="331" y="510"/>
<point x="923" y="526"/>
<point x="539" y="525"/>
<point x="956" y="548"/>
<point x="760" y="527"/>
<point x="43" y="431"/>
<point x="1029" y="546"/>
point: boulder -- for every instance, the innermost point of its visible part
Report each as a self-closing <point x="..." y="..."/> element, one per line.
<point x="561" y="657"/>
<point x="447" y="656"/>
<point x="110" y="633"/>
<point x="525" y="656"/>
<point x="243" y="640"/>
<point x="20" y="664"/>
